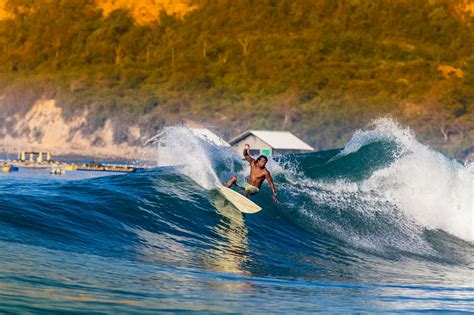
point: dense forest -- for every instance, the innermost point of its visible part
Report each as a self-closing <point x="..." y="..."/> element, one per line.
<point x="319" y="68"/>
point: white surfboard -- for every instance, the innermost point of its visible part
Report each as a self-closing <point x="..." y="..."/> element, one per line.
<point x="242" y="203"/>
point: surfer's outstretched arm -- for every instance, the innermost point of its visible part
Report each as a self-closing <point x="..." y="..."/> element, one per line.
<point x="268" y="177"/>
<point x="247" y="155"/>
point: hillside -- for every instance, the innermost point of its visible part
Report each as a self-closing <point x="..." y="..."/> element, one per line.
<point x="3" y="13"/>
<point x="146" y="11"/>
<point x="318" y="68"/>
<point x="143" y="11"/>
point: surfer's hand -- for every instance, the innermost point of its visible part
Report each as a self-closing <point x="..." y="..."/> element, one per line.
<point x="275" y="198"/>
<point x="246" y="146"/>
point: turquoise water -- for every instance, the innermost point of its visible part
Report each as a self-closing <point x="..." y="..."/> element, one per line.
<point x="383" y="225"/>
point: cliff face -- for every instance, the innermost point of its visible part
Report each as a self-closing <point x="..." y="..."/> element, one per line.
<point x="44" y="128"/>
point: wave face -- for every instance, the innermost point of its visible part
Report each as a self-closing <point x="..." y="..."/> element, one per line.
<point x="384" y="224"/>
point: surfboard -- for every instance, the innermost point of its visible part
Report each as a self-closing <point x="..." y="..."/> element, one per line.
<point x="242" y="203"/>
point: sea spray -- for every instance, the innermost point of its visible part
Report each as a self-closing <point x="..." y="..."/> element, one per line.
<point x="362" y="219"/>
<point x="418" y="189"/>
<point x="181" y="148"/>
<point x="438" y="192"/>
<point x="206" y="162"/>
<point x="424" y="184"/>
<point x="382" y="129"/>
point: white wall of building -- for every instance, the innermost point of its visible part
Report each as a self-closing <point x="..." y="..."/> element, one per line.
<point x="255" y="144"/>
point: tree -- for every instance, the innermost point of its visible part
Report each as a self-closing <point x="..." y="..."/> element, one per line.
<point x="21" y="8"/>
<point x="107" y="40"/>
<point x="171" y="38"/>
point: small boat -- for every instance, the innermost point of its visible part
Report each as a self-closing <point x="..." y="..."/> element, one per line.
<point x="57" y="171"/>
<point x="71" y="167"/>
<point x="9" y="168"/>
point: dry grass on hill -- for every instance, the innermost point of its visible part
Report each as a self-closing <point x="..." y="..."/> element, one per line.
<point x="3" y="14"/>
<point x="145" y="11"/>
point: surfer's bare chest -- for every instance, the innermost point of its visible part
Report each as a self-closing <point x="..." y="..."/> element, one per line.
<point x="257" y="173"/>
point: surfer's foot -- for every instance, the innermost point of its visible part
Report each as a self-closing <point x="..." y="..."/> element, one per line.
<point x="231" y="182"/>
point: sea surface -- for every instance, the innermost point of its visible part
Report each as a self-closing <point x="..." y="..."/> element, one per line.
<point x="385" y="224"/>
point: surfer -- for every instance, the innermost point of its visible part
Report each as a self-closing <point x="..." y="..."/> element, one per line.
<point x="258" y="173"/>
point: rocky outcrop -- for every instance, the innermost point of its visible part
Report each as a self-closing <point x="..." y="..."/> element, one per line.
<point x="44" y="128"/>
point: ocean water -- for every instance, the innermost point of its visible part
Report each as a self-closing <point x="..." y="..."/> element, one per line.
<point x="384" y="225"/>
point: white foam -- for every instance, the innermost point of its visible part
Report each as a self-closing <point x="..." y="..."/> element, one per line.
<point x="435" y="191"/>
<point x="380" y="129"/>
<point x="182" y="148"/>
<point x="350" y="205"/>
<point x="196" y="157"/>
<point x="200" y="158"/>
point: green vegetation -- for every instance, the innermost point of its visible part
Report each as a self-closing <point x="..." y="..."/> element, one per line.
<point x="319" y="68"/>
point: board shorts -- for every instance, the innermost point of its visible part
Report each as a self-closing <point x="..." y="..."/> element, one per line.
<point x="251" y="188"/>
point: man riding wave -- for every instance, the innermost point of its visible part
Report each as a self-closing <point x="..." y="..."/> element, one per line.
<point x="258" y="173"/>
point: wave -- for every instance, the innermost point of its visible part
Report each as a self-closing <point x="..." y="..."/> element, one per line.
<point x="384" y="197"/>
<point x="381" y="170"/>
